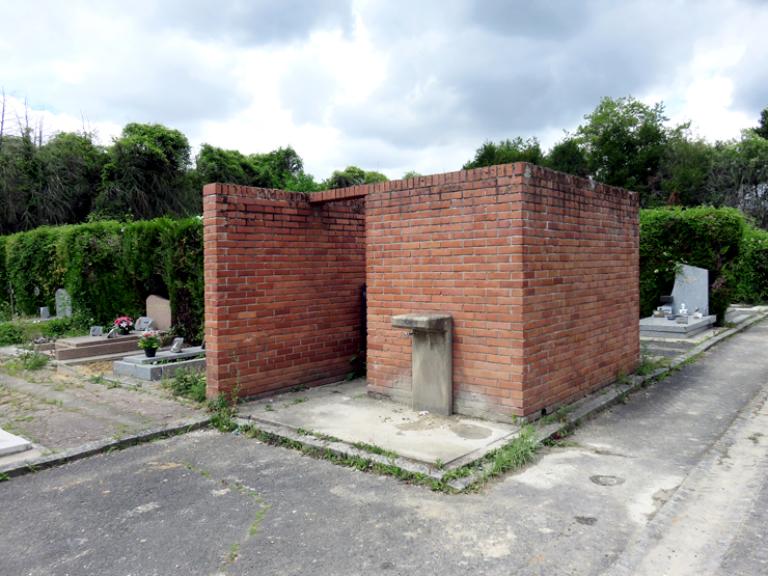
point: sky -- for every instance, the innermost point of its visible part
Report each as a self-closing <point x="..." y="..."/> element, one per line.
<point x="386" y="85"/>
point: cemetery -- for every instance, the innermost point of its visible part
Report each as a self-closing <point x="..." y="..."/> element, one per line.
<point x="426" y="315"/>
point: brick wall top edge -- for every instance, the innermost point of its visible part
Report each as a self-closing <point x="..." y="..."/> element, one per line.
<point x="520" y="169"/>
<point x="238" y="190"/>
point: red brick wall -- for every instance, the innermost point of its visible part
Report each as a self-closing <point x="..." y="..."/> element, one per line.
<point x="282" y="288"/>
<point x="449" y="243"/>
<point x="581" y="294"/>
<point x="539" y="270"/>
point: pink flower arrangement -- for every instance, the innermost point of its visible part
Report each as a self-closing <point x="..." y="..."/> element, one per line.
<point x="124" y="324"/>
<point x="149" y="339"/>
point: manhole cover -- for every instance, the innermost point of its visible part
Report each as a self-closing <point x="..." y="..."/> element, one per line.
<point x="602" y="480"/>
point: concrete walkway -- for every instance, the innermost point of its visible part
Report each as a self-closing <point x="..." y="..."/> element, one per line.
<point x="673" y="482"/>
<point x="61" y="410"/>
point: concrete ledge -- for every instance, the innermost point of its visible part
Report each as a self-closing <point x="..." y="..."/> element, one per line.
<point x="101" y="446"/>
<point x="426" y="322"/>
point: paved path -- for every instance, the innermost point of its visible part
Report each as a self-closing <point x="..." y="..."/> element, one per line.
<point x="63" y="410"/>
<point x="673" y="482"/>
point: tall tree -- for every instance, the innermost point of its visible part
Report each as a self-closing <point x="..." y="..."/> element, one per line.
<point x="625" y="141"/>
<point x="72" y="166"/>
<point x="146" y="175"/>
<point x="353" y="176"/>
<point x="506" y="151"/>
<point x="762" y="128"/>
<point x="568" y="156"/>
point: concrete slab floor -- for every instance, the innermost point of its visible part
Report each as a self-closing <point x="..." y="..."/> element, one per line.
<point x="346" y="411"/>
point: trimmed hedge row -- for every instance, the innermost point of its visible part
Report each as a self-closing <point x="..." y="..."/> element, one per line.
<point x="718" y="239"/>
<point x="109" y="268"/>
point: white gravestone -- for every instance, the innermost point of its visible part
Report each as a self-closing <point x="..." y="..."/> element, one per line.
<point x="692" y="290"/>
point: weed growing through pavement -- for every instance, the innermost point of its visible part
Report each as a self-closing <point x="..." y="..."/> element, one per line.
<point x="187" y="384"/>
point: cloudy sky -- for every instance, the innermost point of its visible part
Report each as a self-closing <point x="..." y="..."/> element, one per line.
<point x="387" y="85"/>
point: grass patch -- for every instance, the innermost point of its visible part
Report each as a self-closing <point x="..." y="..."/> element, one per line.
<point x="373" y="449"/>
<point x="27" y="360"/>
<point x="99" y="379"/>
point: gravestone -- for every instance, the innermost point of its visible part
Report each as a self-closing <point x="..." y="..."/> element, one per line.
<point x="144" y="323"/>
<point x="692" y="289"/>
<point x="97" y="331"/>
<point x="45" y="313"/>
<point x="63" y="304"/>
<point x="178" y="344"/>
<point x="159" y="309"/>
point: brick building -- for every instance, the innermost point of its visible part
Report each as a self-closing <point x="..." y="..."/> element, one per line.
<point x="538" y="269"/>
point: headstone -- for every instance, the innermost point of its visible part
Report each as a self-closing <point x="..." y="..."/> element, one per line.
<point x="177" y="345"/>
<point x="159" y="309"/>
<point x="63" y="304"/>
<point x="112" y="332"/>
<point x="144" y="323"/>
<point x="97" y="331"/>
<point x="692" y="290"/>
<point x="45" y="313"/>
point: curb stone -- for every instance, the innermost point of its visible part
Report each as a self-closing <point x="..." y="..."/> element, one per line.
<point x="100" y="446"/>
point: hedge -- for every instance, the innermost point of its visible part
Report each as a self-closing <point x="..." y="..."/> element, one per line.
<point x="718" y="239"/>
<point x="109" y="268"/>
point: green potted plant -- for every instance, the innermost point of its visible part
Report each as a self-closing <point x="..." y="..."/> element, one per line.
<point x="149" y="341"/>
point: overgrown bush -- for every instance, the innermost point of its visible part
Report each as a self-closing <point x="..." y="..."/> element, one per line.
<point x="10" y="333"/>
<point x="109" y="268"/>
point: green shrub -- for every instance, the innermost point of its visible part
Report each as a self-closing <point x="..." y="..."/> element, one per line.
<point x="183" y="274"/>
<point x="10" y="333"/>
<point x="706" y="237"/>
<point x="748" y="275"/>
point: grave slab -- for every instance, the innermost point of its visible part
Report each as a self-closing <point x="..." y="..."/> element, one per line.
<point x="12" y="444"/>
<point x="662" y="328"/>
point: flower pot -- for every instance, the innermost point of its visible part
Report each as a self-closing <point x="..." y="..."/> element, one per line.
<point x="123" y="331"/>
<point x="150" y="352"/>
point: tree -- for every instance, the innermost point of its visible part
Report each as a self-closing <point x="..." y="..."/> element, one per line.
<point x="625" y="141"/>
<point x="72" y="166"/>
<point x="226" y="166"/>
<point x="739" y="176"/>
<point x="506" y="151"/>
<point x="762" y="128"/>
<point x="685" y="170"/>
<point x="568" y="156"/>
<point x="146" y="175"/>
<point x="353" y="176"/>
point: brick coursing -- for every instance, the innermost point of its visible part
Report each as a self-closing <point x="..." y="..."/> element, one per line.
<point x="538" y="269"/>
<point x="282" y="288"/>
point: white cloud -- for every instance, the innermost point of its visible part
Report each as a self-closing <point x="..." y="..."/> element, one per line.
<point x="390" y="86"/>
